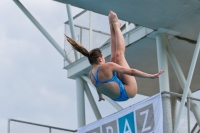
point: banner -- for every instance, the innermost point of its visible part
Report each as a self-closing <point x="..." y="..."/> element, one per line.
<point x="143" y="117"/>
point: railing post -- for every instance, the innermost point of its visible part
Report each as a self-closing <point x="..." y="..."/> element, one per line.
<point x="81" y="37"/>
<point x="188" y="113"/>
<point x="8" y="130"/>
<point x="50" y="130"/>
<point x="71" y="24"/>
<point x="90" y="43"/>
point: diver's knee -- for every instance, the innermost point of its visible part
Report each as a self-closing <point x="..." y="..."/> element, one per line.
<point x="112" y="59"/>
<point x="133" y="93"/>
<point x="119" y="56"/>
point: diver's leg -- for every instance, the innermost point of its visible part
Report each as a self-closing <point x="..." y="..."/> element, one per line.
<point x="128" y="81"/>
<point x="112" y="40"/>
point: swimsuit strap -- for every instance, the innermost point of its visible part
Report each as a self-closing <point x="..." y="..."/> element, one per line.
<point x="101" y="82"/>
<point x="97" y="72"/>
<point x="96" y="80"/>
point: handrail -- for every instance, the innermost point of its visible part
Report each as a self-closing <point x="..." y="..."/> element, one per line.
<point x="178" y="95"/>
<point x="69" y="130"/>
<point x="195" y="126"/>
<point x="188" y="106"/>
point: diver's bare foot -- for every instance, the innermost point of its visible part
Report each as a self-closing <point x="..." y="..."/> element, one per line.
<point x="113" y="19"/>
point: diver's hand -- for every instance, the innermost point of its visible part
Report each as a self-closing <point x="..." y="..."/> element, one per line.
<point x="154" y="76"/>
<point x="101" y="98"/>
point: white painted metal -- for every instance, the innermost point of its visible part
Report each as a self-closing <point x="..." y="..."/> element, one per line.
<point x="188" y="113"/>
<point x="164" y="82"/>
<point x="67" y="22"/>
<point x="80" y="102"/>
<point x="81" y="38"/>
<point x="42" y="30"/>
<point x="92" y="102"/>
<point x="90" y="42"/>
<point x="41" y="125"/>
<point x="114" y="104"/>
<point x="174" y="109"/>
<point x="8" y="128"/>
<point x="71" y="23"/>
<point x="182" y="80"/>
<point x="127" y="27"/>
<point x="127" y="35"/>
<point x="97" y="31"/>
<point x="189" y="79"/>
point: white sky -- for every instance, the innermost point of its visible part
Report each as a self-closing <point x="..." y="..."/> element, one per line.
<point x="33" y="85"/>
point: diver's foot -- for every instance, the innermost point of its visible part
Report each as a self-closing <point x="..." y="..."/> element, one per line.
<point x="113" y="19"/>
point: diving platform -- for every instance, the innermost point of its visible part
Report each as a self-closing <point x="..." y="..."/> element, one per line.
<point x="175" y="15"/>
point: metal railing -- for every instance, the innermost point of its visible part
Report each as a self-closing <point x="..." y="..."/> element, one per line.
<point x="188" y="109"/>
<point x="48" y="128"/>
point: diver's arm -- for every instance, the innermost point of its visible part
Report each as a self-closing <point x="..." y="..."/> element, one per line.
<point x="133" y="72"/>
<point x="100" y="96"/>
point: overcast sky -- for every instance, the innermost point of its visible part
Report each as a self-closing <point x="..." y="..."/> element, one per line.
<point x="34" y="86"/>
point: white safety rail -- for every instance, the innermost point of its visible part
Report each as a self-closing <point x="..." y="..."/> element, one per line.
<point x="188" y="123"/>
<point x="18" y="126"/>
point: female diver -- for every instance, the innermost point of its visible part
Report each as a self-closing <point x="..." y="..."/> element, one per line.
<point x="114" y="79"/>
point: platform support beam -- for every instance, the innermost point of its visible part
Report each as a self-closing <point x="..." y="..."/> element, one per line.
<point x="42" y="30"/>
<point x="164" y="81"/>
<point x="182" y="80"/>
<point x="188" y="82"/>
<point x="80" y="102"/>
<point x="92" y="102"/>
<point x="71" y="24"/>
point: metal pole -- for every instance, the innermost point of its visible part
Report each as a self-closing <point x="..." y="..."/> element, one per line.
<point x="92" y="102"/>
<point x="90" y="47"/>
<point x="36" y="124"/>
<point x="174" y="109"/>
<point x="188" y="113"/>
<point x="189" y="79"/>
<point x="67" y="22"/>
<point x="127" y="27"/>
<point x="127" y="36"/>
<point x="113" y="103"/>
<point x="164" y="82"/>
<point x="182" y="80"/>
<point x="71" y="23"/>
<point x="80" y="102"/>
<point x="42" y="30"/>
<point x="81" y="38"/>
<point x="49" y="130"/>
<point x="8" y="130"/>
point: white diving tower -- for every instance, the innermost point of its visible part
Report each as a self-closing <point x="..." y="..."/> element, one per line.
<point x="166" y="39"/>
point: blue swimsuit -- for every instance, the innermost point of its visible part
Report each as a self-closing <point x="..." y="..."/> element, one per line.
<point x="123" y="95"/>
